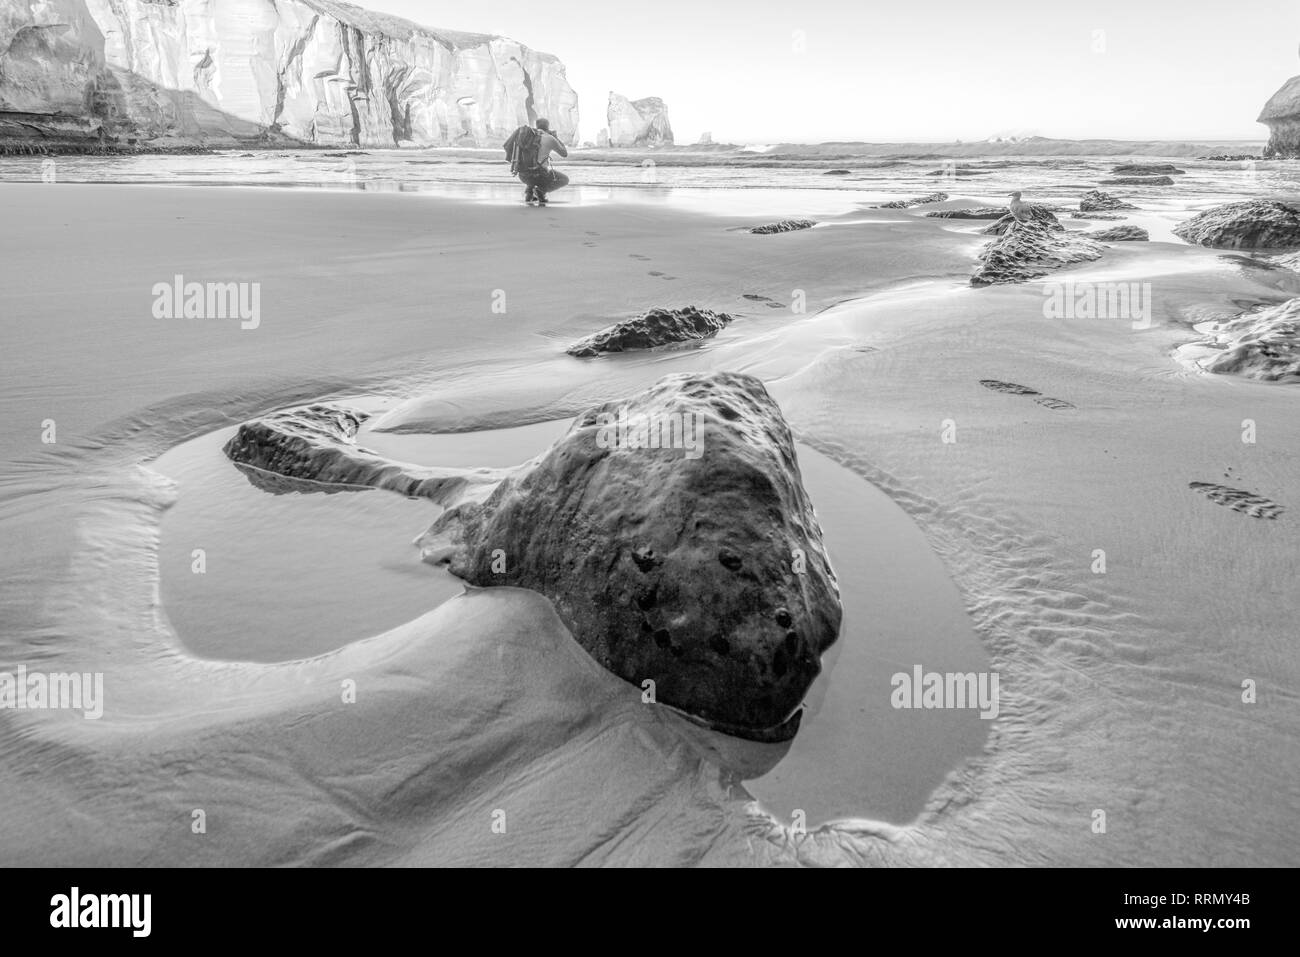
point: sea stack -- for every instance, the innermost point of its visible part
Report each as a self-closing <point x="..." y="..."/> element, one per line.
<point x="638" y="123"/>
<point x="1281" y="114"/>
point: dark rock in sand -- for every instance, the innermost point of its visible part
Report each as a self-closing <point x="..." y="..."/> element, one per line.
<point x="316" y="446"/>
<point x="1032" y="249"/>
<point x="1148" y="169"/>
<point x="919" y="201"/>
<point x="837" y="172"/>
<point x="656" y="328"/>
<point x="1037" y="214"/>
<point x="785" y="226"/>
<point x="1262" y="345"/>
<point x="1138" y="181"/>
<point x="1253" y="224"/>
<point x="980" y="212"/>
<point x="705" y="574"/>
<point x="1120" y="234"/>
<point x="1095" y="200"/>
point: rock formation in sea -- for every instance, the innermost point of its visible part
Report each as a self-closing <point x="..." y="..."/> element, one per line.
<point x="784" y="226"/>
<point x="241" y="71"/>
<point x="642" y="123"/>
<point x="978" y="212"/>
<point x="1147" y="169"/>
<point x="1120" y="234"/>
<point x="1137" y="181"/>
<point x="1252" y="224"/>
<point x="656" y="327"/>
<point x="1032" y="249"/>
<point x="919" y="201"/>
<point x="602" y="140"/>
<point x="314" y="448"/>
<point x="1095" y="200"/>
<point x="701" y="571"/>
<point x="1281" y="114"/>
<point x="706" y="139"/>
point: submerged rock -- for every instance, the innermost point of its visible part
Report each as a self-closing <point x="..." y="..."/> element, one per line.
<point x="837" y="172"/>
<point x="1252" y="224"/>
<point x="1096" y="216"/>
<point x="1028" y="250"/>
<point x="1138" y="181"/>
<point x="784" y="226"/>
<point x="1120" y="234"/>
<point x="656" y="328"/>
<point x="699" y="567"/>
<point x="1148" y="169"/>
<point x="1261" y="345"/>
<point x="314" y="448"/>
<point x="1095" y="200"/>
<point x="919" y="201"/>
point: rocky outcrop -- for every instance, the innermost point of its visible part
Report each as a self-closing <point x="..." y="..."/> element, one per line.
<point x="919" y="201"/>
<point x="656" y="328"/>
<point x="1120" y="234"/>
<point x="1031" y="249"/>
<point x="1281" y="114"/>
<point x="1148" y="169"/>
<point x="1262" y="345"/>
<point x="784" y="226"/>
<point x="317" y="71"/>
<point x="314" y="449"/>
<point x="641" y="123"/>
<point x="1037" y="214"/>
<point x="1252" y="224"/>
<point x="703" y="573"/>
<point x="979" y="212"/>
<point x="1095" y="200"/>
<point x="1137" y="181"/>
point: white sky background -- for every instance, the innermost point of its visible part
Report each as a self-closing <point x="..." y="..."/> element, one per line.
<point x="910" y="70"/>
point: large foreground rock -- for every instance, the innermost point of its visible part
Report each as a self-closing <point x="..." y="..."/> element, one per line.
<point x="656" y="328"/>
<point x="1281" y="114"/>
<point x="1252" y="224"/>
<point x="1098" y="201"/>
<point x="1031" y="249"/>
<point x="700" y="570"/>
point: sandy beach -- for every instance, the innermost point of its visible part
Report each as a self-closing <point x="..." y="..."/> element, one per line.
<point x="1121" y="689"/>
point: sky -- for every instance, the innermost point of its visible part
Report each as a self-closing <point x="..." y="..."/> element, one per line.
<point x="768" y="71"/>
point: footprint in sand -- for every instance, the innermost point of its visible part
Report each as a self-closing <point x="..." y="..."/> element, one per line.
<point x="653" y="272"/>
<point x="1256" y="506"/>
<point x="645" y="259"/>
<point x="590" y="232"/>
<point x="1011" y="388"/>
<point x="588" y="244"/>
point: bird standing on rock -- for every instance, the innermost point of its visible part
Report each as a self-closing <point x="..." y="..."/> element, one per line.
<point x="1019" y="208"/>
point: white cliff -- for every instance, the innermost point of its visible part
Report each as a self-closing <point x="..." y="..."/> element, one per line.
<point x="315" y="70"/>
<point x="638" y="122"/>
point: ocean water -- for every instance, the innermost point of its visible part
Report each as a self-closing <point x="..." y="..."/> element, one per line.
<point x="728" y="182"/>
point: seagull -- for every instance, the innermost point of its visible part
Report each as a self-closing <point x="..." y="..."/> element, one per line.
<point x="1019" y="208"/>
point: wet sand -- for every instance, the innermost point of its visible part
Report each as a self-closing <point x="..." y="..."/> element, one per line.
<point x="1120" y="691"/>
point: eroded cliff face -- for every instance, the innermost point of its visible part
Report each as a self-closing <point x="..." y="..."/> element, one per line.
<point x="638" y="122"/>
<point x="1282" y="116"/>
<point x="316" y="70"/>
